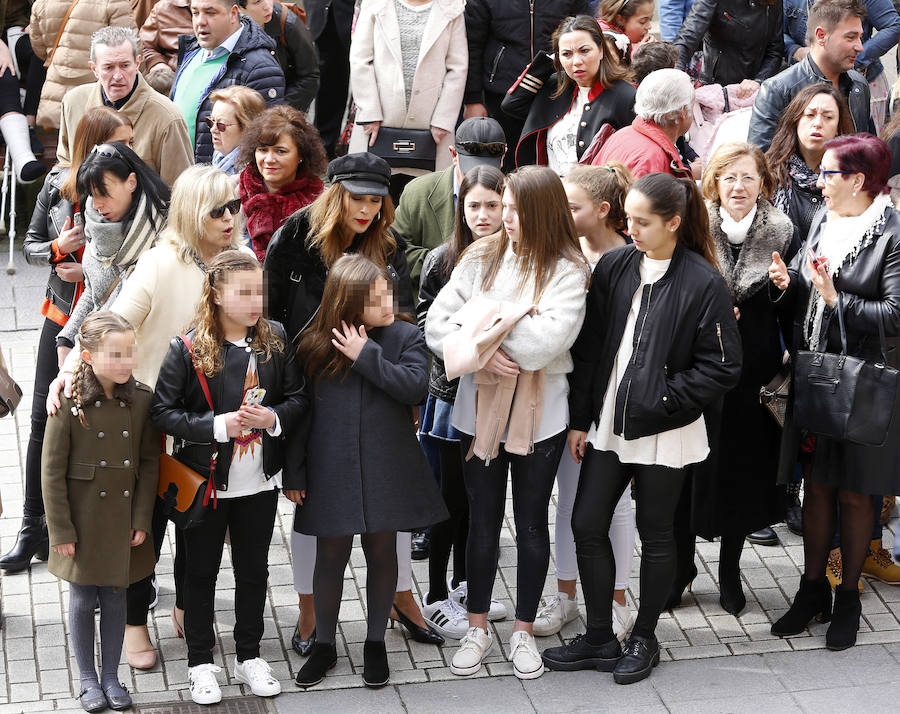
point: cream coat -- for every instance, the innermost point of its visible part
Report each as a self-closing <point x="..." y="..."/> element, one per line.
<point x="376" y="72"/>
<point x="69" y="67"/>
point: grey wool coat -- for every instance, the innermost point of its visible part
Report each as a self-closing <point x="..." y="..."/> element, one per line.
<point x="364" y="470"/>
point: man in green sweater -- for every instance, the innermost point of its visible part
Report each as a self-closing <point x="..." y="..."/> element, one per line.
<point x="424" y="217"/>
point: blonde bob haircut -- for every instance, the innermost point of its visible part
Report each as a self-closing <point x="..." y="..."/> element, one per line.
<point x="197" y="191"/>
<point x="725" y="156"/>
<point x="247" y="103"/>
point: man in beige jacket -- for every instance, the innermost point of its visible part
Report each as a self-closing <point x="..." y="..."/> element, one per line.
<point x="160" y="134"/>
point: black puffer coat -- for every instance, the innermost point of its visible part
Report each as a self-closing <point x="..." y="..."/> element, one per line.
<point x="251" y="64"/>
<point x="434" y="277"/>
<point x="742" y="39"/>
<point x="297" y="56"/>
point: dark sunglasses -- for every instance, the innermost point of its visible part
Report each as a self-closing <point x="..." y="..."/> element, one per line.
<point x="218" y="124"/>
<point x="107" y="150"/>
<point x="232" y="206"/>
<point x="477" y="148"/>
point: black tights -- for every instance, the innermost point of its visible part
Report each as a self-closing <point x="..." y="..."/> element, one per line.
<point x="820" y="515"/>
<point x="332" y="556"/>
<point x="656" y="489"/>
<point x="452" y="533"/>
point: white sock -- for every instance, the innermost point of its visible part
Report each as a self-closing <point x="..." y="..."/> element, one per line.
<point x="14" y="128"/>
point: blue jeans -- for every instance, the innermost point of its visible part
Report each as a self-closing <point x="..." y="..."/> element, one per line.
<point x="671" y="17"/>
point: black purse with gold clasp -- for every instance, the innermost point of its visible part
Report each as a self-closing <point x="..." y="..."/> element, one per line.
<point x="405" y="148"/>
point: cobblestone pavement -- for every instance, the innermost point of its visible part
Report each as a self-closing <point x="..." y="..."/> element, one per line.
<point x="742" y="666"/>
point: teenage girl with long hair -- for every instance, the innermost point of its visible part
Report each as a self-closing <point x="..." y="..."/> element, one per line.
<point x="659" y="347"/>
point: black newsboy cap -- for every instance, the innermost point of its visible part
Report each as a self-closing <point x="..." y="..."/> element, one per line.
<point x="363" y="174"/>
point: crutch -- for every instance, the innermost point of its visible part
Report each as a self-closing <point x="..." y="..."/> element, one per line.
<point x="8" y="191"/>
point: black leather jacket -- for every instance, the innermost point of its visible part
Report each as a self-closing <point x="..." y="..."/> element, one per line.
<point x="180" y="409"/>
<point x="778" y="91"/>
<point x="742" y="39"/>
<point x="296" y="277"/>
<point x="297" y="56"/>
<point x="433" y="279"/>
<point x="47" y="221"/>
<point x="687" y="348"/>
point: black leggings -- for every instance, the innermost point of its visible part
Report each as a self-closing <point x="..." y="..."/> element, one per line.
<point x="452" y="533"/>
<point x="32" y="71"/>
<point x="332" y="556"/>
<point x="45" y="372"/>
<point x="656" y="489"/>
<point x="532" y="483"/>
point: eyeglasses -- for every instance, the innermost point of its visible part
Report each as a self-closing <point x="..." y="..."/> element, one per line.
<point x="478" y="148"/>
<point x="217" y="123"/>
<point x="826" y="175"/>
<point x="731" y="180"/>
<point x="107" y="150"/>
<point x="232" y="206"/>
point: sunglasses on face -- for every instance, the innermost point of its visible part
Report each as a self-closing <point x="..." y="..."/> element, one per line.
<point x="232" y="206"/>
<point x="217" y="123"/>
<point x="477" y="148"/>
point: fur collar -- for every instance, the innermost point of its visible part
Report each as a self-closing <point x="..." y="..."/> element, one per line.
<point x="92" y="389"/>
<point x="771" y="230"/>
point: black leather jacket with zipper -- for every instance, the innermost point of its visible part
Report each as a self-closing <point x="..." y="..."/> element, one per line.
<point x="687" y="348"/>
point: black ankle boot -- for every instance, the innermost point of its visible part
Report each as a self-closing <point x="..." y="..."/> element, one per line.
<point x="322" y="658"/>
<point x="731" y="592"/>
<point x="32" y="541"/>
<point x="813" y="600"/>
<point x="683" y="580"/>
<point x="376" y="672"/>
<point x="844" y="620"/>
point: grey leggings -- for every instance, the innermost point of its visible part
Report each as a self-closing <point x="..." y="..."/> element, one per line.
<point x="82" y="601"/>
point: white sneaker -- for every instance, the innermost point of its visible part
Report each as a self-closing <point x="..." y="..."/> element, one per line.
<point x="523" y="653"/>
<point x="447" y="617"/>
<point x="473" y="648"/>
<point x="623" y="621"/>
<point x="461" y="594"/>
<point x="203" y="684"/>
<point x="555" y="612"/>
<point x="257" y="674"/>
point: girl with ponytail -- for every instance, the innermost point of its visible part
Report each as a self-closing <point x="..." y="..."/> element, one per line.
<point x="658" y="350"/>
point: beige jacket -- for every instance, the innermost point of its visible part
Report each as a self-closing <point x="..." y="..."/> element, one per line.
<point x="160" y="134"/>
<point x="376" y="72"/>
<point x="69" y="66"/>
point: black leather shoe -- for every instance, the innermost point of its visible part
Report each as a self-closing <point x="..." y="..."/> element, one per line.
<point x="32" y="541"/>
<point x="300" y="646"/>
<point x="117" y="697"/>
<point x="322" y="658"/>
<point x="92" y="698"/>
<point x="421" y="545"/>
<point x="376" y="672"/>
<point x="682" y="581"/>
<point x="578" y="653"/>
<point x="844" y="625"/>
<point x="813" y="600"/>
<point x="764" y="536"/>
<point x="640" y="656"/>
<point x="425" y="635"/>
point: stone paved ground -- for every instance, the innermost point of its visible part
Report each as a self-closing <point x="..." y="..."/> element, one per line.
<point x="712" y="661"/>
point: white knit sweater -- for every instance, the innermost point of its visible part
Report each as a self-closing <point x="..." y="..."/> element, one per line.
<point x="540" y="341"/>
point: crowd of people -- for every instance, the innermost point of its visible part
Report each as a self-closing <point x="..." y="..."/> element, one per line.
<point x="518" y="255"/>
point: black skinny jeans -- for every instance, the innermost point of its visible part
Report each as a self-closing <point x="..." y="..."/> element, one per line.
<point x="45" y="372"/>
<point x="532" y="483"/>
<point x="657" y="489"/>
<point x="452" y="533"/>
<point x="250" y="520"/>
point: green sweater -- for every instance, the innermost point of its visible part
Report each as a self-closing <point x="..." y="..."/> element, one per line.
<point x="192" y="85"/>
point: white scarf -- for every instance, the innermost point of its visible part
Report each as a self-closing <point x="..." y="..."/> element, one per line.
<point x="736" y="231"/>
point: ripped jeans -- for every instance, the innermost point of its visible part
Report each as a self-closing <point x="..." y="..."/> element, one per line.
<point x="532" y="483"/>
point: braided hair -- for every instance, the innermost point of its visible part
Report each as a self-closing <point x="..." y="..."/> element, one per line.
<point x="91" y="334"/>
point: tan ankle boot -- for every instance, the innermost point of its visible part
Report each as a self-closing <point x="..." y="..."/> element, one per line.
<point x="880" y="565"/>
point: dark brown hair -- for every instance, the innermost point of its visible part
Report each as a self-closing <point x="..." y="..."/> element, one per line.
<point x="651" y="57"/>
<point x="828" y="14"/>
<point x="491" y="178"/>
<point x="608" y="10"/>
<point x="95" y="127"/>
<point x="610" y="69"/>
<point x="785" y="143"/>
<point x="265" y="129"/>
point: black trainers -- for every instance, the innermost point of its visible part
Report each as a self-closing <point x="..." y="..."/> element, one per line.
<point x="322" y="658"/>
<point x="640" y="656"/>
<point x="578" y="653"/>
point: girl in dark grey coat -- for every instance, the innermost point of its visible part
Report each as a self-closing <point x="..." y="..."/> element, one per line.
<point x="364" y="472"/>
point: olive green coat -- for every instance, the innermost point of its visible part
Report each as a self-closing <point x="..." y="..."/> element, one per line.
<point x="99" y="483"/>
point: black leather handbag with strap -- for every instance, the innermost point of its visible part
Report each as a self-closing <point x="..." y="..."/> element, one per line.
<point x="405" y="148"/>
<point x="845" y="397"/>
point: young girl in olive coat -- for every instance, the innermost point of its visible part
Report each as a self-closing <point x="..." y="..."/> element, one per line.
<point x="100" y="467"/>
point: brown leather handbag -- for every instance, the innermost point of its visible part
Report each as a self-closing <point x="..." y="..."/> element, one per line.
<point x="185" y="493"/>
<point x="10" y="392"/>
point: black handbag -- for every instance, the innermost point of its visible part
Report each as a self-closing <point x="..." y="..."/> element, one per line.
<point x="405" y="148"/>
<point x="844" y="397"/>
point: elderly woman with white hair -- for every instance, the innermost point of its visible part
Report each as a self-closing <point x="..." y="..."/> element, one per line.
<point x="663" y="105"/>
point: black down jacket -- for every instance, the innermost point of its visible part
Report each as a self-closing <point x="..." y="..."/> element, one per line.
<point x="742" y="39"/>
<point x="251" y="64"/>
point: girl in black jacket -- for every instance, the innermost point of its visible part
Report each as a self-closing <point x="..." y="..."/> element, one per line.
<point x="659" y="346"/>
<point x="257" y="399"/>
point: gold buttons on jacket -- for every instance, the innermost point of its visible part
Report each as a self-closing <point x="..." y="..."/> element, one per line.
<point x="126" y="463"/>
<point x="584" y="123"/>
<point x="580" y="143"/>
<point x="103" y="494"/>
<point x="103" y="463"/>
<point x="587" y="107"/>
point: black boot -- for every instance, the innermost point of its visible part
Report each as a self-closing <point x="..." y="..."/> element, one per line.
<point x="731" y="593"/>
<point x="376" y="672"/>
<point x="641" y="655"/>
<point x="32" y="541"/>
<point x="793" y="515"/>
<point x="322" y="658"/>
<point x="685" y="568"/>
<point x="844" y="620"/>
<point x="813" y="600"/>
